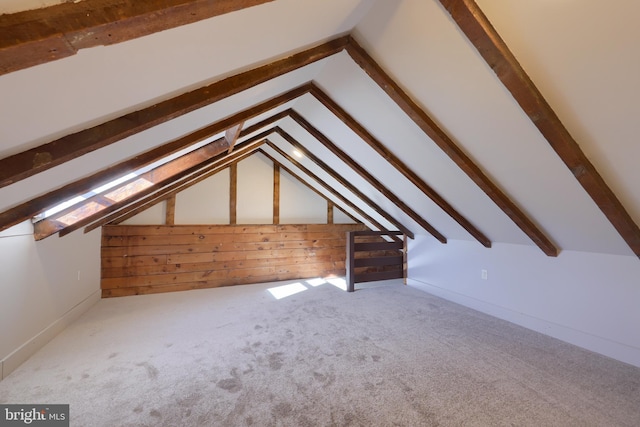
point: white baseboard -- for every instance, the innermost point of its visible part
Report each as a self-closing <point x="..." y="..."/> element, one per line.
<point x="616" y="350"/>
<point x="20" y="355"/>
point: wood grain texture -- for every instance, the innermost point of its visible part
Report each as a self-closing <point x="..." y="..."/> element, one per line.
<point x="346" y="201"/>
<point x="83" y="213"/>
<point x="370" y="257"/>
<point x="276" y="193"/>
<point x="29" y="209"/>
<point x="41" y="35"/>
<point x="233" y="193"/>
<point x="366" y="175"/>
<point x="483" y="36"/>
<point x="343" y="181"/>
<point x="140" y="259"/>
<point x="398" y="164"/>
<point x="446" y="144"/>
<point x="28" y="163"/>
<point x="170" y="210"/>
<point x="140" y="204"/>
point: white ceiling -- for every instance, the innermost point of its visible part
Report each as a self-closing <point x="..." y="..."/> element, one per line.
<point x="581" y="55"/>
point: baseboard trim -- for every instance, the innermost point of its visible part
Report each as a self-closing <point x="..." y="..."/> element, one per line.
<point x="604" y="346"/>
<point x="21" y="354"/>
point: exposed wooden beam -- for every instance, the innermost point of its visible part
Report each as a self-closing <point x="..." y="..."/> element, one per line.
<point x="344" y="182"/>
<point x="232" y="134"/>
<point x="91" y="209"/>
<point x="442" y="140"/>
<point x="28" y="163"/>
<point x="326" y="186"/>
<point x="360" y="170"/>
<point x="398" y="164"/>
<point x="309" y="186"/>
<point x="27" y="210"/>
<point x="276" y="194"/>
<point x="483" y="36"/>
<point x="329" y="212"/>
<point x="78" y="215"/>
<point x="233" y="194"/>
<point x="170" y="214"/>
<point x="144" y="203"/>
<point x="37" y="36"/>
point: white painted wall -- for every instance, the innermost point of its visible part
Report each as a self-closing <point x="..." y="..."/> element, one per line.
<point x="340" y="217"/>
<point x="155" y="215"/>
<point x="588" y="299"/>
<point x="298" y="204"/>
<point x="206" y="202"/>
<point x="255" y="191"/>
<point x="45" y="285"/>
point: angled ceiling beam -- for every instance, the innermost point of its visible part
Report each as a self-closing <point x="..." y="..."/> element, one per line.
<point x="100" y="205"/>
<point x="177" y="186"/>
<point x="37" y="36"/>
<point x="38" y="205"/>
<point x="22" y="165"/>
<point x="400" y="166"/>
<point x="373" y="181"/>
<point x="232" y="134"/>
<point x="442" y="140"/>
<point x="245" y="149"/>
<point x="171" y="191"/>
<point x="326" y="186"/>
<point x="344" y="182"/>
<point x="309" y="186"/>
<point x="475" y="25"/>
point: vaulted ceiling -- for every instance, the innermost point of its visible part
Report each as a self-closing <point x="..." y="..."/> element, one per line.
<point x="421" y="91"/>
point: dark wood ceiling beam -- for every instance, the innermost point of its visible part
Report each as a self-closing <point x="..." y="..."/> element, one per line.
<point x="172" y="190"/>
<point x="344" y="182"/>
<point x="365" y="216"/>
<point x="38" y="36"/>
<point x="76" y="215"/>
<point x="483" y="36"/>
<point x="86" y="212"/>
<point x="364" y="174"/>
<point x="25" y="211"/>
<point x="28" y="163"/>
<point x="398" y="164"/>
<point x="442" y="140"/>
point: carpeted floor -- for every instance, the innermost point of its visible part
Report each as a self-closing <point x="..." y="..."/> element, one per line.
<point x="386" y="355"/>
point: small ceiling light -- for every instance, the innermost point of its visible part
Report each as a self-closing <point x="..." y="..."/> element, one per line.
<point x="297" y="154"/>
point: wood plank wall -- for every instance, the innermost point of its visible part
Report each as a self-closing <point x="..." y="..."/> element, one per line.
<point x="145" y="259"/>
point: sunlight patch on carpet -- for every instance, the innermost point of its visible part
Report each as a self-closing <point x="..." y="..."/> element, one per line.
<point x="284" y="291"/>
<point x="338" y="283"/>
<point x="316" y="282"/>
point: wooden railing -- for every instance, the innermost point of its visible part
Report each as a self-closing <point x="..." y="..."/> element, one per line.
<point x="371" y="256"/>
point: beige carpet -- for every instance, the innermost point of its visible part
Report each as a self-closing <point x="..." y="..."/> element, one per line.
<point x="386" y="355"/>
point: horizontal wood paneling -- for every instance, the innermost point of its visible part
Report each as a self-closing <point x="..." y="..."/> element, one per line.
<point x="144" y="259"/>
<point x="370" y="257"/>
